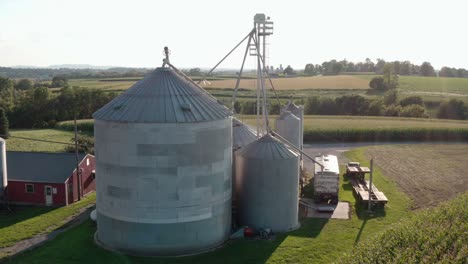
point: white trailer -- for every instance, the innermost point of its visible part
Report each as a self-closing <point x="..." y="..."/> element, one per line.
<point x="326" y="179"/>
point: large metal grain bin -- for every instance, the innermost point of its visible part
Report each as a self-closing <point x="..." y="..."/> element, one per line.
<point x="3" y="169"/>
<point x="289" y="127"/>
<point x="242" y="135"/>
<point x="163" y="168"/>
<point x="267" y="180"/>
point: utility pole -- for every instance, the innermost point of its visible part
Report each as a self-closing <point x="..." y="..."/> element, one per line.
<point x="78" y="174"/>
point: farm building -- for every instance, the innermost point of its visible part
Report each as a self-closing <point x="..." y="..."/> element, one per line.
<point x="47" y="178"/>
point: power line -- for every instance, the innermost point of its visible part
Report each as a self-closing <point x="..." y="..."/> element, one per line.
<point x="46" y="141"/>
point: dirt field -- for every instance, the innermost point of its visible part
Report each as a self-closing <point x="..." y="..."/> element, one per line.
<point x="316" y="82"/>
<point x="429" y="174"/>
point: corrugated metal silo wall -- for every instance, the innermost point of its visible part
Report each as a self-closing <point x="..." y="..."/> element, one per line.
<point x="290" y="129"/>
<point x="268" y="192"/>
<point x="163" y="189"/>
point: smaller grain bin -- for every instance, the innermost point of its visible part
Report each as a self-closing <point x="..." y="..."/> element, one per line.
<point x="267" y="181"/>
<point x="298" y="111"/>
<point x="3" y="169"/>
<point x="289" y="127"/>
<point x="242" y="135"/>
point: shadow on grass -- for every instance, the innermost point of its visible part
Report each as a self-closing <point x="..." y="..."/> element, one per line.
<point x="23" y="213"/>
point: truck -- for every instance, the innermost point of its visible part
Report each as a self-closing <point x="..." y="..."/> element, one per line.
<point x="326" y="179"/>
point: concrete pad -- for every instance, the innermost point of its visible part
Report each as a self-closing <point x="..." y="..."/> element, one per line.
<point x="308" y="207"/>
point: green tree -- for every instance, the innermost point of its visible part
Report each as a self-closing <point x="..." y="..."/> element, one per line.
<point x="414" y="110"/>
<point x="389" y="76"/>
<point x="4" y="124"/>
<point x="427" y="69"/>
<point x="6" y="94"/>
<point x="289" y="71"/>
<point x="309" y="69"/>
<point x="312" y="105"/>
<point x="59" y="81"/>
<point x="24" y="84"/>
<point x="453" y="109"/>
<point x="85" y="145"/>
<point x="392" y="110"/>
<point x="391" y="97"/>
<point x="376" y="107"/>
<point x="377" y="83"/>
<point x="380" y="66"/>
<point x="410" y="100"/>
<point x="195" y="72"/>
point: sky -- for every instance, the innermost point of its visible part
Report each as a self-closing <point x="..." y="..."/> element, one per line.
<point x="199" y="33"/>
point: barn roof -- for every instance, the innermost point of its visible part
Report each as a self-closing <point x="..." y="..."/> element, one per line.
<point x="41" y="167"/>
<point x="163" y="96"/>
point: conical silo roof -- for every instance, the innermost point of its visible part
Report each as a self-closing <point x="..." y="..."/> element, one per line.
<point x="242" y="134"/>
<point x="163" y="96"/>
<point x="267" y="147"/>
<point x="293" y="108"/>
<point x="285" y="115"/>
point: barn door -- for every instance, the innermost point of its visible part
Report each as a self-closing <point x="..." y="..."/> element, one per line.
<point x="48" y="195"/>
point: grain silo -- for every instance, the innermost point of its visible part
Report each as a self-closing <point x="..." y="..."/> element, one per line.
<point x="242" y="135"/>
<point x="163" y="168"/>
<point x="298" y="111"/>
<point x="3" y="169"/>
<point x="288" y="126"/>
<point x="267" y="180"/>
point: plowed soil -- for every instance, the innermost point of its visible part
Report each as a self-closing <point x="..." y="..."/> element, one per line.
<point x="428" y="174"/>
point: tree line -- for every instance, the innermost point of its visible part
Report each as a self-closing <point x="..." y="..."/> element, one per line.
<point x="38" y="107"/>
<point x="391" y="104"/>
<point x="48" y="74"/>
<point x="334" y="67"/>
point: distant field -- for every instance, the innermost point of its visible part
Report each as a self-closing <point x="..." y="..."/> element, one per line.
<point x="354" y="128"/>
<point x="15" y="144"/>
<point x="430" y="86"/>
<point x="299" y="83"/>
<point x="358" y="128"/>
<point x="312" y="122"/>
<point x="120" y="84"/>
<point x="432" y="89"/>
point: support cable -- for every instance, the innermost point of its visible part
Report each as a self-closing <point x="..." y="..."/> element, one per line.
<point x="227" y="55"/>
<point x="234" y="95"/>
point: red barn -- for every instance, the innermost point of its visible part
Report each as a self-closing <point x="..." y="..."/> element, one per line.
<point x="48" y="178"/>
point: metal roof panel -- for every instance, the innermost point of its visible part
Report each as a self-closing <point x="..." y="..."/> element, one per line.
<point x="163" y="96"/>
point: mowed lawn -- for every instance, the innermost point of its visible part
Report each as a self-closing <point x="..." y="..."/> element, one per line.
<point x="18" y="144"/>
<point x="27" y="222"/>
<point x="317" y="241"/>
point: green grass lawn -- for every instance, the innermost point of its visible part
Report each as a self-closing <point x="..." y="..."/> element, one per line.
<point x="30" y="221"/>
<point x="17" y="144"/>
<point x="317" y="241"/>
